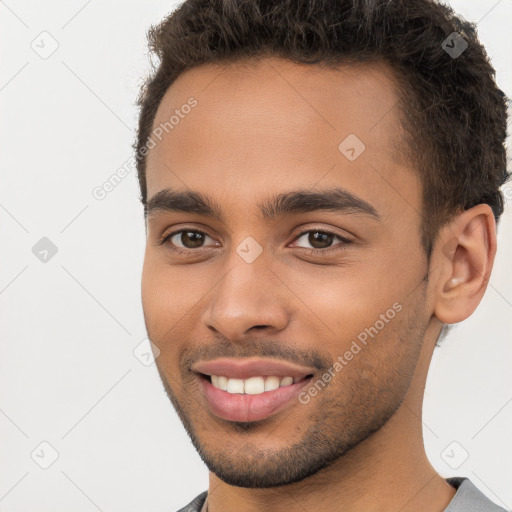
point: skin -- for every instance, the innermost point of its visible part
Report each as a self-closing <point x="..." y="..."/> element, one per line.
<point x="265" y="128"/>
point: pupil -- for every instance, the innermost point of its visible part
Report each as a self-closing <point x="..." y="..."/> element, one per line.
<point x="320" y="240"/>
<point x="191" y="239"/>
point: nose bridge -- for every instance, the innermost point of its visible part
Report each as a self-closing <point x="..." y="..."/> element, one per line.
<point x="245" y="297"/>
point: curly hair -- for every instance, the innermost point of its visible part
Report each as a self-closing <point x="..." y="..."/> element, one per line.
<point x="453" y="115"/>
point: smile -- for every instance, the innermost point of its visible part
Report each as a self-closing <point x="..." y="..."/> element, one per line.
<point x="252" y="385"/>
<point x="246" y="390"/>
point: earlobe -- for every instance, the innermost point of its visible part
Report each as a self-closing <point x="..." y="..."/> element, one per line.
<point x="463" y="258"/>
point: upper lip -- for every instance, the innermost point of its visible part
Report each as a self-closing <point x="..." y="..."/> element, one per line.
<point x="243" y="368"/>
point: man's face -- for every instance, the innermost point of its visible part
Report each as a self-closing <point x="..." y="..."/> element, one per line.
<point x="340" y="285"/>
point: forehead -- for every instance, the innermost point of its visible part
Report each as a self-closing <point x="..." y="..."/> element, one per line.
<point x="275" y="123"/>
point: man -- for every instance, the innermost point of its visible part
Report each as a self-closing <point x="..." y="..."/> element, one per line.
<point x="321" y="188"/>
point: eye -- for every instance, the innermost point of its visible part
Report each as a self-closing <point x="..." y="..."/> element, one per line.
<point x="320" y="240"/>
<point x="187" y="239"/>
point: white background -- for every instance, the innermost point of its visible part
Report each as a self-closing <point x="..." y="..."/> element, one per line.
<point x="68" y="375"/>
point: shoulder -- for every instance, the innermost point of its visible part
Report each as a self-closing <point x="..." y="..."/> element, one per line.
<point x="469" y="498"/>
<point x="196" y="504"/>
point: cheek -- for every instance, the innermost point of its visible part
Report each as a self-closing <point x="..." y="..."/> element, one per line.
<point x="377" y="359"/>
<point x="172" y="301"/>
<point x="164" y="298"/>
<point x="342" y="300"/>
<point x="154" y="293"/>
<point x="167" y="291"/>
<point x="160" y="302"/>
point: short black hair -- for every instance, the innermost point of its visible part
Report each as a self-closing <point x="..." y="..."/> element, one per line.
<point x="453" y="115"/>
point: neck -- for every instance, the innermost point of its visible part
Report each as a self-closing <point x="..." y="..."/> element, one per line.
<point x="387" y="471"/>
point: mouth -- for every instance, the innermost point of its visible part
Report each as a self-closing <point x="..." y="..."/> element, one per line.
<point x="244" y="400"/>
<point x="250" y="390"/>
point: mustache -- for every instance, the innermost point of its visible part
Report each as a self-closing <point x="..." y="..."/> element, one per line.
<point x="322" y="361"/>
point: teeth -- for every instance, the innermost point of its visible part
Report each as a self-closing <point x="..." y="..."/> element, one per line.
<point x="252" y="385"/>
<point x="272" y="383"/>
<point x="235" y="386"/>
<point x="220" y="382"/>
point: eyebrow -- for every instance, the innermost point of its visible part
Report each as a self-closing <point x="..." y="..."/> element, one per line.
<point x="334" y="199"/>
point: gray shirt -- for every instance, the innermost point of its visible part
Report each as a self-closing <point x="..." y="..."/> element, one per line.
<point x="467" y="499"/>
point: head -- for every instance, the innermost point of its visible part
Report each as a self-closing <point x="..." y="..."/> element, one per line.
<point x="321" y="187"/>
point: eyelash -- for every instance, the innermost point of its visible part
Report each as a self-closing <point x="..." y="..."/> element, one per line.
<point x="345" y="241"/>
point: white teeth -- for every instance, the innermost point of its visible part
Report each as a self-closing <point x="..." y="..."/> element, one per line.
<point x="286" y="381"/>
<point x="250" y="386"/>
<point x="235" y="386"/>
<point x="222" y="382"/>
<point x="272" y="383"/>
<point x="254" y="385"/>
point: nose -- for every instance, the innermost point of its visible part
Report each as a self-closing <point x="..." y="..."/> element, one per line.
<point x="246" y="300"/>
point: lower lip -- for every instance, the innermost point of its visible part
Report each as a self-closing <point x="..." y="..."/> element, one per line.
<point x="245" y="408"/>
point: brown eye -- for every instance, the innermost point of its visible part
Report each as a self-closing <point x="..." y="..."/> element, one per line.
<point x="191" y="239"/>
<point x="187" y="239"/>
<point x="320" y="240"/>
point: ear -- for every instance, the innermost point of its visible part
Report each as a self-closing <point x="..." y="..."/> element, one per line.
<point x="461" y="263"/>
